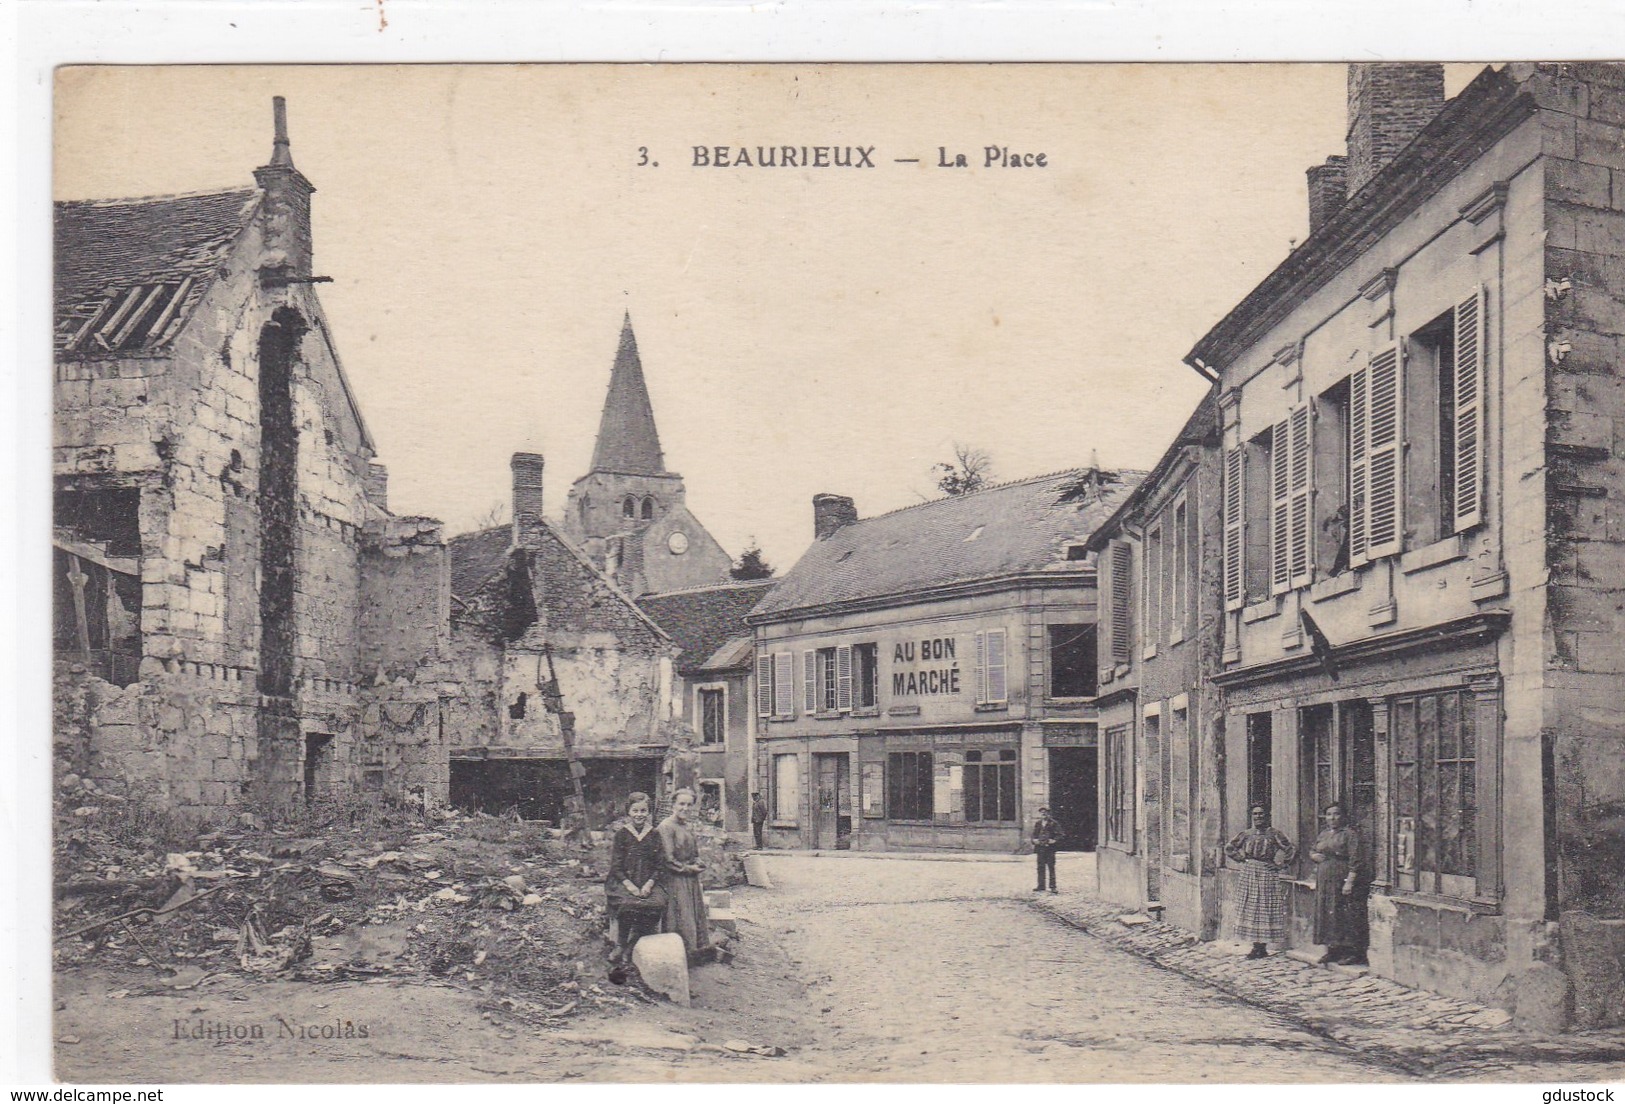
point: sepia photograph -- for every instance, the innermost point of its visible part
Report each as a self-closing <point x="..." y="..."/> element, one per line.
<point x="838" y="573"/>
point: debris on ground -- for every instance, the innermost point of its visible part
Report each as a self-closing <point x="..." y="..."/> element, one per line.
<point x="345" y="890"/>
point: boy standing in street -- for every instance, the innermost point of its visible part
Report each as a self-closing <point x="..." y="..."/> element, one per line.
<point x="1044" y="841"/>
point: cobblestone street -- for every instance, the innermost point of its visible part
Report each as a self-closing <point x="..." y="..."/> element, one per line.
<point x="942" y="971"/>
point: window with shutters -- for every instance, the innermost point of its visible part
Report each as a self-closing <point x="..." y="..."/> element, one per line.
<point x="992" y="685"/>
<point x="1444" y="425"/>
<point x="990" y="785"/>
<point x="1258" y="496"/>
<point x="1291" y="485"/>
<point x="1235" y="525"/>
<point x="1330" y="445"/>
<point x="825" y="681"/>
<point x="1153" y="579"/>
<point x="910" y="785"/>
<point x="1376" y="419"/>
<point x="784" y="684"/>
<point x="811" y="682"/>
<point x="865" y="676"/>
<point x="764" y="684"/>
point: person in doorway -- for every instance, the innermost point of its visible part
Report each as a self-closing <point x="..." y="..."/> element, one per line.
<point x="1045" y="839"/>
<point x="1263" y="852"/>
<point x="758" y="817"/>
<point x="686" y="913"/>
<point x="1340" y="884"/>
<point x="632" y="888"/>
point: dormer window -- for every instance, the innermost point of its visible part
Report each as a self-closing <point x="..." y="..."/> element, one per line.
<point x="1077" y="552"/>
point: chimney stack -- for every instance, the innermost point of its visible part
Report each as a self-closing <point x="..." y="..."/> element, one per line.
<point x="831" y="512"/>
<point x="1389" y="104"/>
<point x="376" y="485"/>
<point x="1328" y="188"/>
<point x="286" y="210"/>
<point x="527" y="498"/>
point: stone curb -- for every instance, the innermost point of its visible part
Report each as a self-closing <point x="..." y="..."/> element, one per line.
<point x="1415" y="1030"/>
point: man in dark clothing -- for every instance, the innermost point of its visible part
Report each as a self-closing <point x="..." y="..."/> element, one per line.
<point x="758" y="817"/>
<point x="1044" y="840"/>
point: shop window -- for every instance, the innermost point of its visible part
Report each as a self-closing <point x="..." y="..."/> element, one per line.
<point x="710" y="808"/>
<point x="713" y="715"/>
<point x="1435" y="740"/>
<point x="1120" y="785"/>
<point x="1072" y="663"/>
<point x="865" y="676"/>
<point x="910" y="786"/>
<point x="990" y="786"/>
<point x="1317" y="777"/>
<point x="786" y="788"/>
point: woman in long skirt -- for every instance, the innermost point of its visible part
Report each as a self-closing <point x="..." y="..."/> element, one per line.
<point x="1263" y="852"/>
<point x="680" y="858"/>
<point x="1340" y="884"/>
<point x="632" y="885"/>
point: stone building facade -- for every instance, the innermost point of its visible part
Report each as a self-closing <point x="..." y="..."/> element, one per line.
<point x="926" y="678"/>
<point x="217" y="503"/>
<point x="1419" y="432"/>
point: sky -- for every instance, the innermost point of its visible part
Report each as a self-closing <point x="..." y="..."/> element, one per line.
<point x="802" y="330"/>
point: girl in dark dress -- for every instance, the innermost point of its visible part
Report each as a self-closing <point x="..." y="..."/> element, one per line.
<point x="1340" y="881"/>
<point x="632" y="886"/>
<point x="685" y="898"/>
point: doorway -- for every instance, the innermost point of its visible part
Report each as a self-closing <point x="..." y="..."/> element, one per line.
<point x="1074" y="802"/>
<point x="832" y="816"/>
<point x="318" y="750"/>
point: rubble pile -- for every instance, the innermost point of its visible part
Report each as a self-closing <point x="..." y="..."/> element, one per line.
<point x="501" y="905"/>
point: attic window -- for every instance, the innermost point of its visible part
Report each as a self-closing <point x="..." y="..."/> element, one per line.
<point x="974" y="533"/>
<point x="844" y="556"/>
<point x="129" y="319"/>
<point x="1077" y="552"/>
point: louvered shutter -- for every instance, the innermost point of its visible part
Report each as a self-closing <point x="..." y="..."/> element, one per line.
<point x="1280" y="506"/>
<point x="1384" y="429"/>
<point x="1469" y="443"/>
<point x="1359" y="451"/>
<point x="784" y="684"/>
<point x="1302" y="486"/>
<point x="1235" y="593"/>
<point x="809" y="682"/>
<point x="996" y="688"/>
<point x="980" y="675"/>
<point x="843" y="678"/>
<point x="1122" y="595"/>
<point x="764" y="684"/>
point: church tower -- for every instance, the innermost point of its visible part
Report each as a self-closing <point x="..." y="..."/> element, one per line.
<point x="628" y="513"/>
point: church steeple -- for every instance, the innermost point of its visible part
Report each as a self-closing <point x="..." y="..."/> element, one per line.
<point x="627" y="439"/>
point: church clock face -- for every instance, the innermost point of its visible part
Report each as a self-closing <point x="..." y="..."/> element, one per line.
<point x="678" y="543"/>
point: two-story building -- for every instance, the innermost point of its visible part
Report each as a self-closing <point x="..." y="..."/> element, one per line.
<point x="1159" y="715"/>
<point x="1423" y="570"/>
<point x="925" y="678"/>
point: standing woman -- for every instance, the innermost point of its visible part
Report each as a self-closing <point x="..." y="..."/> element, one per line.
<point x="1263" y="852"/>
<point x="1340" y="922"/>
<point x="632" y="886"/>
<point x="681" y="867"/>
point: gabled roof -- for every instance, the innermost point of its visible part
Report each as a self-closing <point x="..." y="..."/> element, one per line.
<point x="627" y="440"/>
<point x="1008" y="530"/>
<point x="129" y="271"/>
<point x="1201" y="428"/>
<point x="475" y="557"/>
<point x="703" y="620"/>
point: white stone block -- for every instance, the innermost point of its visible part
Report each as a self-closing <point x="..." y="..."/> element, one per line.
<point x="662" y="962"/>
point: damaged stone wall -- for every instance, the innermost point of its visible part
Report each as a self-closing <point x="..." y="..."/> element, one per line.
<point x="1583" y="130"/>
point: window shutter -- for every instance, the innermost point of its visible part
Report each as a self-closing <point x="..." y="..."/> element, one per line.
<point x="996" y="689"/>
<point x="1122" y="617"/>
<point x="784" y="684"/>
<point x="1235" y="595"/>
<point x="1281" y="506"/>
<point x="1302" y="486"/>
<point x="981" y="668"/>
<point x="809" y="682"/>
<point x="843" y="678"/>
<point x="764" y="684"/>
<point x="1359" y="451"/>
<point x="1469" y="443"/>
<point x="1384" y="424"/>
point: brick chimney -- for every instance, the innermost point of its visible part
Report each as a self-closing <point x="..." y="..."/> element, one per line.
<point x="527" y="498"/>
<point x="286" y="211"/>
<point x="376" y="485"/>
<point x="1328" y="188"/>
<point x="830" y="512"/>
<point x="1389" y="104"/>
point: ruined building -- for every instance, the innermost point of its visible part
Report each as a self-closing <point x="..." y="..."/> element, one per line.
<point x="627" y="513"/>
<point x="218" y="512"/>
